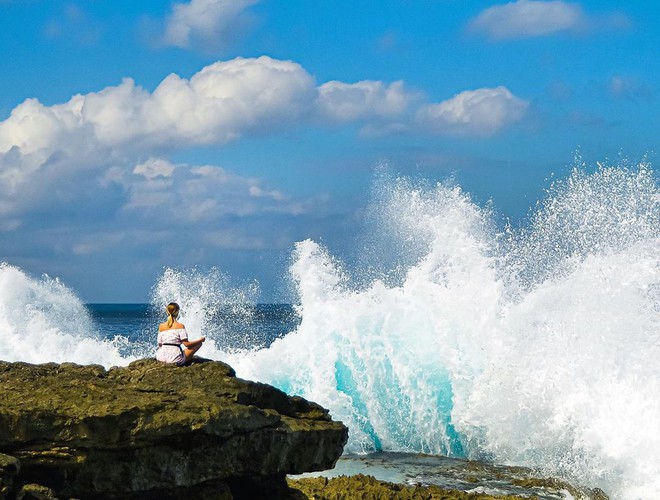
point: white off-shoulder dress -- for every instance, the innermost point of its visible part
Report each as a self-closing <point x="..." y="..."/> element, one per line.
<point x="170" y="348"/>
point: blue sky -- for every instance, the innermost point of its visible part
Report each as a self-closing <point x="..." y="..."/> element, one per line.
<point x="139" y="135"/>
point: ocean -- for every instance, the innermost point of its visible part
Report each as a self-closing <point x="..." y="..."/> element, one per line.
<point x="451" y="332"/>
<point x="252" y="327"/>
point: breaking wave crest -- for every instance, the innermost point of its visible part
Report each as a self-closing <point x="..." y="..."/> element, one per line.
<point x="42" y="320"/>
<point x="534" y="345"/>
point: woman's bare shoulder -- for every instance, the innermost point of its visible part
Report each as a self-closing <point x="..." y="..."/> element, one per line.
<point x="175" y="326"/>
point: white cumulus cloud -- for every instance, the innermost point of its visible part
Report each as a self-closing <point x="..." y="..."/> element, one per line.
<point x="218" y="104"/>
<point x="99" y="140"/>
<point x="51" y="157"/>
<point x="154" y="168"/>
<point x="342" y="102"/>
<point x="205" y="21"/>
<point x="226" y="99"/>
<point x="481" y="112"/>
<point x="529" y="18"/>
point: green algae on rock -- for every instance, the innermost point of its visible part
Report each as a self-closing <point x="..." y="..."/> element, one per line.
<point x="86" y="431"/>
<point x="369" y="488"/>
<point x="400" y="475"/>
<point x="9" y="467"/>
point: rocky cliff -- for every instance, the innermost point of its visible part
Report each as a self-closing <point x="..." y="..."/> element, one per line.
<point x="151" y="430"/>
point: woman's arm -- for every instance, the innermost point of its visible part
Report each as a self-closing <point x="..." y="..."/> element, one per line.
<point x="193" y="343"/>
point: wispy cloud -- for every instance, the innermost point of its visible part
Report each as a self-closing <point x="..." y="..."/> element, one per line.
<point x="73" y="23"/>
<point x="206" y="22"/>
<point x="535" y="18"/>
<point x="628" y="87"/>
<point x="203" y="193"/>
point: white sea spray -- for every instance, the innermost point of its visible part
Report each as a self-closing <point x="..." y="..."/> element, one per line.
<point x="535" y="346"/>
<point x="42" y="320"/>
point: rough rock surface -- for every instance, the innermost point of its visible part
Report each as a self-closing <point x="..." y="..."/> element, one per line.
<point x="153" y="430"/>
<point x="368" y="488"/>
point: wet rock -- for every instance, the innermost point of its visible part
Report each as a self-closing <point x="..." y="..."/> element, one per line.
<point x="35" y="492"/>
<point x="9" y="467"/>
<point x="369" y="488"/>
<point x="154" y="429"/>
<point x="406" y="475"/>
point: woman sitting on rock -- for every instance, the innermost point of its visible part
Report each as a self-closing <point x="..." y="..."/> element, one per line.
<point x="173" y="344"/>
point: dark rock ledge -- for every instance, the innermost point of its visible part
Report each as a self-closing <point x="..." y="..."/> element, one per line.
<point x="155" y="431"/>
<point x="151" y="430"/>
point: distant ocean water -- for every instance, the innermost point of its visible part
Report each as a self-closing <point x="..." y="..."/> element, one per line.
<point x="452" y="333"/>
<point x="257" y="327"/>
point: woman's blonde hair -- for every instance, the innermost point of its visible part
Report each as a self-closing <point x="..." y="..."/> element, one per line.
<point x="172" y="313"/>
